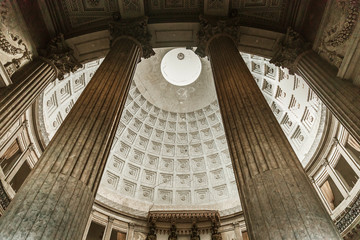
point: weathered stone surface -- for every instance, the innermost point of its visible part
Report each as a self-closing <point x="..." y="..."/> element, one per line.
<point x="278" y="200"/>
<point x="27" y="85"/>
<point x="56" y="199"/>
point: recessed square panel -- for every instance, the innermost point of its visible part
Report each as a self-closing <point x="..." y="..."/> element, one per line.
<point x="255" y="3"/>
<point x="174" y="3"/>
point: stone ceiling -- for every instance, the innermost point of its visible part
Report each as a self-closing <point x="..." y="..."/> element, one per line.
<point x="74" y="17"/>
<point x="170" y="151"/>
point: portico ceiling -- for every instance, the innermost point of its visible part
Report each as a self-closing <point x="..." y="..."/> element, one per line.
<point x="83" y="16"/>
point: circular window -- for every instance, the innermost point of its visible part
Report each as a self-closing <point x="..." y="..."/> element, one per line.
<point x="181" y="66"/>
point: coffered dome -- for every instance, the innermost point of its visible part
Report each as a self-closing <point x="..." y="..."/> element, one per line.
<point x="170" y="149"/>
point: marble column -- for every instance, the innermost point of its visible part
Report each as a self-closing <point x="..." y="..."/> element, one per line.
<point x="108" y="229"/>
<point x="56" y="199"/>
<point x="278" y="199"/>
<point x="340" y="96"/>
<point x="28" y="83"/>
<point x="31" y="80"/>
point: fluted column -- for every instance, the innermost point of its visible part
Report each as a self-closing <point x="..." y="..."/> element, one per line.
<point x="31" y="80"/>
<point x="56" y="200"/>
<point x="28" y="84"/>
<point x="278" y="199"/>
<point x="340" y="96"/>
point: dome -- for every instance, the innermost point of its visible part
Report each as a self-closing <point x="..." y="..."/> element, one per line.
<point x="170" y="150"/>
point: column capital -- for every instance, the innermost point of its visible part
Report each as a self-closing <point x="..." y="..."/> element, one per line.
<point x="289" y="49"/>
<point x="111" y="219"/>
<point x="60" y="56"/>
<point x="236" y="224"/>
<point x="131" y="225"/>
<point x="135" y="29"/>
<point x="211" y="28"/>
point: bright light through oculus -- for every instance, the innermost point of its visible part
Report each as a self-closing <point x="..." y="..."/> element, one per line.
<point x="181" y="66"/>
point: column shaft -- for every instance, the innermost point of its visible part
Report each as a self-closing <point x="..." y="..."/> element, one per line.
<point x="276" y="194"/>
<point x="56" y="199"/>
<point x="29" y="83"/>
<point x="341" y="97"/>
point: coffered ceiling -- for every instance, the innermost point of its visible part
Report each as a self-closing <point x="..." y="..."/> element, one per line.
<point x="75" y="17"/>
<point x="170" y="150"/>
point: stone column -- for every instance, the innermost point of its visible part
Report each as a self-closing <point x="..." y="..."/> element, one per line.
<point x="108" y="229"/>
<point x="30" y="81"/>
<point x="130" y="232"/>
<point x="56" y="199"/>
<point x="340" y="96"/>
<point x="278" y="199"/>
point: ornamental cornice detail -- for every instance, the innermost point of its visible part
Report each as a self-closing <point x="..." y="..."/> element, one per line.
<point x="136" y="29"/>
<point x="211" y="27"/>
<point x="152" y="232"/>
<point x="215" y="235"/>
<point x="289" y="48"/>
<point x="60" y="56"/>
<point x="184" y="216"/>
<point x="352" y="212"/>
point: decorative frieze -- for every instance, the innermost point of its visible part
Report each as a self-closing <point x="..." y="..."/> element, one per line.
<point x="291" y="46"/>
<point x="350" y="215"/>
<point x="135" y="29"/>
<point x="184" y="216"/>
<point x="11" y="44"/>
<point x="210" y="27"/>
<point x="340" y="25"/>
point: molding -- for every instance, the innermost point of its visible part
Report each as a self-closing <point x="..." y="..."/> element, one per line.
<point x="5" y="79"/>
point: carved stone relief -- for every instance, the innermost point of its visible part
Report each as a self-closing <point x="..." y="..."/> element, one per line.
<point x="131" y="8"/>
<point x="264" y="12"/>
<point x="78" y="14"/>
<point x="61" y="56"/>
<point x="136" y="29"/>
<point x="14" y="47"/>
<point x="291" y="46"/>
<point x="210" y="28"/>
<point x="343" y="16"/>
